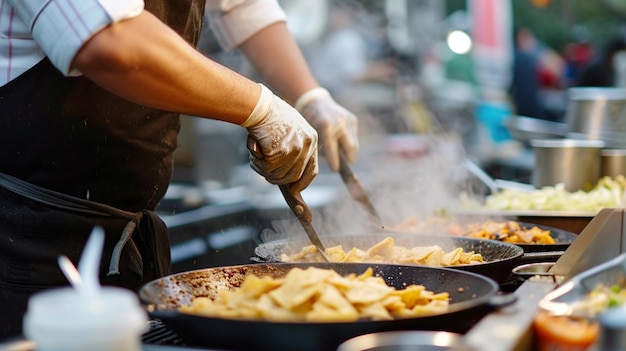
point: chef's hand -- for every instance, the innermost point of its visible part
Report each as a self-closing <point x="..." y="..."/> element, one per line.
<point x="336" y="126"/>
<point x="287" y="143"/>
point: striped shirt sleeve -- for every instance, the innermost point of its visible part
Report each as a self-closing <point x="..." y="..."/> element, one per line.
<point x="61" y="27"/>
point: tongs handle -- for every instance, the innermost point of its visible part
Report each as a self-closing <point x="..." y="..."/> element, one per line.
<point x="305" y="217"/>
<point x="297" y="205"/>
<point x="356" y="190"/>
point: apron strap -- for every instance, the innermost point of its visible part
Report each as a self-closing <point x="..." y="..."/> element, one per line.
<point x="71" y="203"/>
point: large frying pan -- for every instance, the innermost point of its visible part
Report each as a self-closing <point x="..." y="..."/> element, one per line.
<point x="472" y="296"/>
<point x="500" y="258"/>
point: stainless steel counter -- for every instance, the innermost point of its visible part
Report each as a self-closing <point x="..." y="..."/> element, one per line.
<point x="510" y="329"/>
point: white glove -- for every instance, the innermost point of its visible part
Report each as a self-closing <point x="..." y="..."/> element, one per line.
<point x="336" y="126"/>
<point x="287" y="144"/>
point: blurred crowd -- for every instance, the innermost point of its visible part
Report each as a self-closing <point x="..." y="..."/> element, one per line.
<point x="540" y="70"/>
<point x="354" y="51"/>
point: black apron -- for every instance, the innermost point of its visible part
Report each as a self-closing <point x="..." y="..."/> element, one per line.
<point x="73" y="156"/>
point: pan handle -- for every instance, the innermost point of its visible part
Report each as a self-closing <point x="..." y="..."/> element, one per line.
<point x="499" y="301"/>
<point x="543" y="256"/>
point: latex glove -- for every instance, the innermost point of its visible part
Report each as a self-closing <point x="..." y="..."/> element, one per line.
<point x="287" y="143"/>
<point x="336" y="126"/>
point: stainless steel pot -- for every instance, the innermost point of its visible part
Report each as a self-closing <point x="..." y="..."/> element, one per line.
<point x="613" y="162"/>
<point x="575" y="163"/>
<point x="597" y="113"/>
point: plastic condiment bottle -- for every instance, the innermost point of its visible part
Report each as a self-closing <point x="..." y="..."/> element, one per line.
<point x="63" y="320"/>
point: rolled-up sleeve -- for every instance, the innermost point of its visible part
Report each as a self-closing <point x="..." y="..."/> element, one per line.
<point x="234" y="21"/>
<point x="61" y="27"/>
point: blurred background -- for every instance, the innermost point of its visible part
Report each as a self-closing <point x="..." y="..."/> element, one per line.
<point x="436" y="84"/>
<point x="460" y="67"/>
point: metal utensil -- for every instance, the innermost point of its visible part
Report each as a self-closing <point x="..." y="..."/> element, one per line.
<point x="305" y="217"/>
<point x="494" y="185"/>
<point x="356" y="190"/>
<point x="296" y="204"/>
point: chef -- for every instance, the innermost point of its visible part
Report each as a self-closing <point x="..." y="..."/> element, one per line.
<point x="90" y="97"/>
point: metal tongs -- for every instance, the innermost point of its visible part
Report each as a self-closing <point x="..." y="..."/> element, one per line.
<point x="356" y="190"/>
<point x="305" y="217"/>
<point x="297" y="205"/>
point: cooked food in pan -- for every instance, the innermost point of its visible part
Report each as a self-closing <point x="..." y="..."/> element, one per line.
<point x="507" y="231"/>
<point x="386" y="251"/>
<point x="510" y="232"/>
<point x="319" y="295"/>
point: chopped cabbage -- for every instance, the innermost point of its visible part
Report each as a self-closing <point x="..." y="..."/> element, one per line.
<point x="608" y="192"/>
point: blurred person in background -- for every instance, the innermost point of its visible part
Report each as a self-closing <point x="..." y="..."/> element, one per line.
<point x="578" y="54"/>
<point x="525" y="84"/>
<point x="537" y="94"/>
<point x="91" y="94"/>
<point x="601" y="72"/>
<point x="342" y="57"/>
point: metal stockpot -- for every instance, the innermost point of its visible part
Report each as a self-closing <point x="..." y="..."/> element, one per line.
<point x="613" y="162"/>
<point x="597" y="113"/>
<point x="575" y="163"/>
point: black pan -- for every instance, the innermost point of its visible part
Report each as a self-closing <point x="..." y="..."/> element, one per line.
<point x="562" y="238"/>
<point x="472" y="296"/>
<point x="500" y="258"/>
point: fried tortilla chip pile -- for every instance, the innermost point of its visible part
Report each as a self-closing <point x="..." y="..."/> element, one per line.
<point x="319" y="295"/>
<point x="386" y="252"/>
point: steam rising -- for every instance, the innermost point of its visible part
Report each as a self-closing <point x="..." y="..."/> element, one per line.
<point x="400" y="188"/>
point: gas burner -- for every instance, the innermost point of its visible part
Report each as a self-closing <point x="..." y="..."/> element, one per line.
<point x="159" y="334"/>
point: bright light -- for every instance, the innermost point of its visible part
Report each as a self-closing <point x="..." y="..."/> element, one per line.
<point x="459" y="42"/>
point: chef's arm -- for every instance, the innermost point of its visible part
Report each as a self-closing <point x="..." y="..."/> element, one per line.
<point x="276" y="56"/>
<point x="144" y="61"/>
